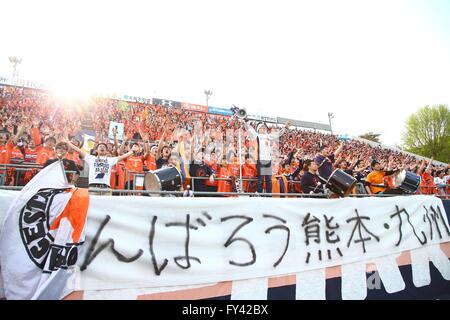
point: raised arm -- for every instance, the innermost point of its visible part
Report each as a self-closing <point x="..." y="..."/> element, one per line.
<point x="339" y="149"/>
<point x="19" y="133"/>
<point x="146" y="146"/>
<point x="116" y="143"/>
<point x="129" y="153"/>
<point x="35" y="133"/>
<point x="73" y="147"/>
<point x="422" y="166"/>
<point x="355" y="163"/>
<point x="161" y="144"/>
<point x="122" y="146"/>
<point x="251" y="132"/>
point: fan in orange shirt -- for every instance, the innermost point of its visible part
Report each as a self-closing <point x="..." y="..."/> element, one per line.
<point x="228" y="171"/>
<point x="45" y="151"/>
<point x="375" y="179"/>
<point x="6" y="147"/>
<point x="133" y="164"/>
<point x="150" y="160"/>
<point x="10" y="153"/>
<point x="14" y="176"/>
<point x="427" y="185"/>
<point x="212" y="163"/>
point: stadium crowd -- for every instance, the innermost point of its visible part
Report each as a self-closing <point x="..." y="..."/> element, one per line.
<point x="36" y="128"/>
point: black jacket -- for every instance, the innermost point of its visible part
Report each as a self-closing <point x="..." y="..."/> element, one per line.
<point x="310" y="183"/>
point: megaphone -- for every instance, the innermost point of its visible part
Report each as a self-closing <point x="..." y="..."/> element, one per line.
<point x="240" y="113"/>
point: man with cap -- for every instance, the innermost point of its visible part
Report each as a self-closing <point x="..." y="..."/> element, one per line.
<point x="375" y="179"/>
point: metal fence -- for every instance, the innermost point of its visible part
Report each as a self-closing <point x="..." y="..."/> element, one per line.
<point x="15" y="170"/>
<point x="16" y="175"/>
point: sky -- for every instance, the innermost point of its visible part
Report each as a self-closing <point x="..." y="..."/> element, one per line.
<point x="371" y="63"/>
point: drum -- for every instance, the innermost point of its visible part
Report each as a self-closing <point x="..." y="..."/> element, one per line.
<point x="406" y="181"/>
<point x="164" y="179"/>
<point x="393" y="181"/>
<point x="341" y="183"/>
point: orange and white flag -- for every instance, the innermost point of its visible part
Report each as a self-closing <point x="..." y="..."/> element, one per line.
<point x="41" y="237"/>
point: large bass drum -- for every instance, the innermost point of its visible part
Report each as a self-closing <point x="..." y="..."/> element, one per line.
<point x="406" y="181"/>
<point x="341" y="183"/>
<point x="164" y="179"/>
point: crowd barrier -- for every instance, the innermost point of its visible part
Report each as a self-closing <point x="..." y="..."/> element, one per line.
<point x="137" y="186"/>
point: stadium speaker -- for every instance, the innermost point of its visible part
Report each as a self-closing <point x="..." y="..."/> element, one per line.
<point x="238" y="112"/>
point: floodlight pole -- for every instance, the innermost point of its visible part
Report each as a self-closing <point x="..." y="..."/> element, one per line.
<point x="15" y="62"/>
<point x="208" y="94"/>
<point x="330" y="116"/>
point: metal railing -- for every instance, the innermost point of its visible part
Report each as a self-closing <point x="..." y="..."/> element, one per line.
<point x="131" y="189"/>
<point x="19" y="171"/>
<point x="221" y="194"/>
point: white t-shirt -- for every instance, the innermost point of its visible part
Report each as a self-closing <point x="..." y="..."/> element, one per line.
<point x="264" y="142"/>
<point x="439" y="182"/>
<point x="264" y="147"/>
<point x="100" y="168"/>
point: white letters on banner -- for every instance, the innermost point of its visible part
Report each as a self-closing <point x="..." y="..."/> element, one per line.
<point x="142" y="242"/>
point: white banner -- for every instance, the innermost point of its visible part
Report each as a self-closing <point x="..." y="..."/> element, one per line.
<point x="40" y="237"/>
<point x="142" y="242"/>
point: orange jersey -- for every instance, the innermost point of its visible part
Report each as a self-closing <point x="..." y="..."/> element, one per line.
<point x="36" y="136"/>
<point x="113" y="179"/>
<point x="31" y="155"/>
<point x="16" y="155"/>
<point x="44" y="154"/>
<point x="150" y="162"/>
<point x="224" y="185"/>
<point x="120" y="167"/>
<point x="249" y="171"/>
<point x="133" y="164"/>
<point x="427" y="184"/>
<point x="279" y="185"/>
<point x="376" y="177"/>
<point x="231" y="170"/>
<point x="5" y="153"/>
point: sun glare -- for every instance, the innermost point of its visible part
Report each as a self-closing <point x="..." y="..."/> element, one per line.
<point x="72" y="91"/>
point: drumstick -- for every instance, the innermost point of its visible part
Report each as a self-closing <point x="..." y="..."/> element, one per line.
<point x="326" y="182"/>
<point x="375" y="185"/>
